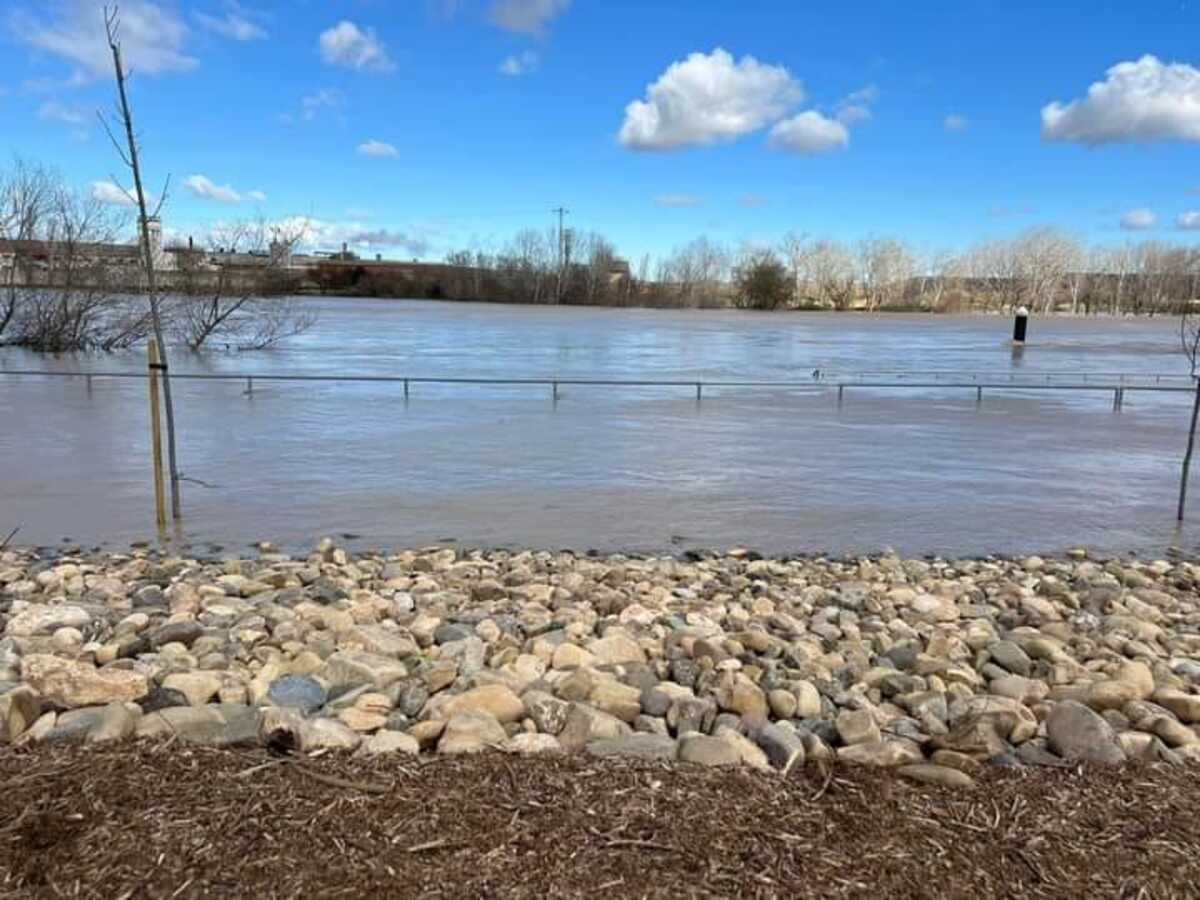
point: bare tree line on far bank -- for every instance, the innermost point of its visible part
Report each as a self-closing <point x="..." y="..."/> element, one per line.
<point x="1044" y="269"/>
<point x="69" y="283"/>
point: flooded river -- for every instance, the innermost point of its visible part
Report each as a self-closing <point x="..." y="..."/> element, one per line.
<point x="617" y="468"/>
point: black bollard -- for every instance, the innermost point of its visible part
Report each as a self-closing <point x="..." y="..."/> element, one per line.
<point x="1019" y="325"/>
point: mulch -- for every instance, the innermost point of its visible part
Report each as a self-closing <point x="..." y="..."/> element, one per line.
<point x="148" y="820"/>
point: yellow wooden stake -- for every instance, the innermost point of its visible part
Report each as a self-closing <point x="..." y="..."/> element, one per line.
<point x="160" y="505"/>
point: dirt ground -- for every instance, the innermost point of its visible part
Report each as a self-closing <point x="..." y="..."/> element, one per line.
<point x="170" y="821"/>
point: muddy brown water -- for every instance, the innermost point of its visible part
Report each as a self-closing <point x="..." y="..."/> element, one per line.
<point x="617" y="468"/>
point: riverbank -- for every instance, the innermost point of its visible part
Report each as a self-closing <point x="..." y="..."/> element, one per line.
<point x="933" y="667"/>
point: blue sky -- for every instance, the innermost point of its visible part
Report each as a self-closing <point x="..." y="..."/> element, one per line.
<point x="414" y="127"/>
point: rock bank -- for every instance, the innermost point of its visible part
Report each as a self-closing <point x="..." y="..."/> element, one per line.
<point x="933" y="667"/>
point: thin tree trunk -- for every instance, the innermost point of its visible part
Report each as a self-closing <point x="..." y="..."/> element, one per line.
<point x="148" y="262"/>
<point x="1187" y="457"/>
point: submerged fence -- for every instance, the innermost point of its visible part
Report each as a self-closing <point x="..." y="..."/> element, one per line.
<point x="1119" y="383"/>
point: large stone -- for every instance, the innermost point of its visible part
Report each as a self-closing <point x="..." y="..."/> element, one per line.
<point x="585" y="724"/>
<point x="1184" y="706"/>
<point x="197" y="687"/>
<point x="749" y="754"/>
<point x="617" y="648"/>
<point x="527" y="744"/>
<point x="571" y="656"/>
<point x="351" y="668"/>
<point x="1172" y="732"/>
<point x="708" y="751"/>
<point x="741" y="695"/>
<point x="617" y="699"/>
<point x="857" y="726"/>
<point x="390" y="742"/>
<point x="1138" y="676"/>
<point x="934" y="774"/>
<point x="302" y="692"/>
<point x="327" y="734"/>
<point x="548" y="713"/>
<point x="643" y="746"/>
<point x="496" y="700"/>
<point x="20" y="707"/>
<point x="883" y="753"/>
<point x="215" y="725"/>
<point x="47" y="619"/>
<point x="471" y="732"/>
<point x="808" y="700"/>
<point x="1076" y="732"/>
<point x="71" y="684"/>
<point x="116" y="723"/>
<point x="783" y="747"/>
<point x="1111" y="694"/>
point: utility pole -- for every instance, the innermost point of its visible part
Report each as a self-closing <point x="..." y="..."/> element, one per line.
<point x="562" y="211"/>
<point x="562" y="254"/>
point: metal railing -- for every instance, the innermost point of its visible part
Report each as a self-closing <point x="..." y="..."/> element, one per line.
<point x="1118" y="383"/>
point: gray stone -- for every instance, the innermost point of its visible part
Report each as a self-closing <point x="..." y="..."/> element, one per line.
<point x="585" y="724"/>
<point x="1077" y="732"/>
<point x="161" y="698"/>
<point x="176" y="632"/>
<point x="643" y="746"/>
<point x="450" y="631"/>
<point x="115" y="723"/>
<point x="302" y="692"/>
<point x="708" y="751"/>
<point x="471" y="732"/>
<point x="549" y="713"/>
<point x="1011" y="657"/>
<point x="655" y="702"/>
<point x="783" y="747"/>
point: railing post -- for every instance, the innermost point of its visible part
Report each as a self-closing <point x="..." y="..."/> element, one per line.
<point x="89" y="385"/>
<point x="555" y="391"/>
<point x="405" y="390"/>
<point x="841" y="389"/>
<point x="697" y="391"/>
<point x="979" y="395"/>
<point x="249" y="385"/>
<point x="1118" y="399"/>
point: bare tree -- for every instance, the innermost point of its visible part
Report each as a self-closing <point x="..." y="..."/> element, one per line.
<point x="1189" y="338"/>
<point x="832" y="272"/>
<point x="239" y="304"/>
<point x="885" y="266"/>
<point x="129" y="155"/>
<point x="61" y="276"/>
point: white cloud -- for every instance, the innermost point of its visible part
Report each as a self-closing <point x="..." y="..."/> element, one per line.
<point x="203" y="187"/>
<point x="376" y="148"/>
<point x="152" y="37"/>
<point x="1189" y="221"/>
<point x="321" y="234"/>
<point x="678" y="200"/>
<point x="326" y="98"/>
<point x="348" y="45"/>
<point x="955" y="122"/>
<point x="54" y="111"/>
<point x="708" y="98"/>
<point x="519" y="65"/>
<point x="237" y="23"/>
<point x="107" y="192"/>
<point x="852" y="114"/>
<point x="1139" y="220"/>
<point x="526" y="16"/>
<point x="810" y="133"/>
<point x="256" y="196"/>
<point x="868" y="93"/>
<point x="1146" y="100"/>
